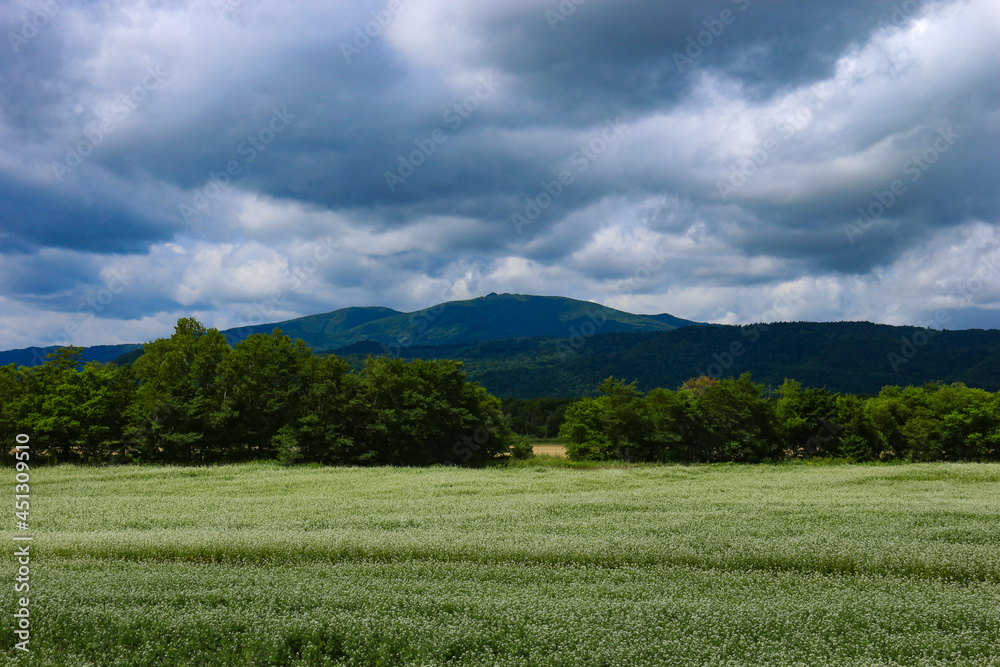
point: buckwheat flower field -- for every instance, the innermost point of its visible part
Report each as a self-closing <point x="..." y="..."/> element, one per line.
<point x="259" y="564"/>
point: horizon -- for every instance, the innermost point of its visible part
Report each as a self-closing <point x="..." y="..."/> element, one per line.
<point x="202" y="159"/>
<point x="167" y="332"/>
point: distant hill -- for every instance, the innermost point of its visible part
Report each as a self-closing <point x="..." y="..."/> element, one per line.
<point x="521" y="346"/>
<point x="667" y="318"/>
<point x="493" y="317"/>
<point x="323" y="330"/>
<point x="851" y="357"/>
<point x="33" y="356"/>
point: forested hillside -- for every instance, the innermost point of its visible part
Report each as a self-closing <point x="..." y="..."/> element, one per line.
<point x="849" y="357"/>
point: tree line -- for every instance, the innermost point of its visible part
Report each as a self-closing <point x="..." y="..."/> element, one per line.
<point x="193" y="399"/>
<point x="710" y="420"/>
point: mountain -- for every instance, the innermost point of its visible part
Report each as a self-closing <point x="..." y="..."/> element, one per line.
<point x="319" y="331"/>
<point x="849" y="357"/>
<point x="34" y="356"/>
<point x="521" y="346"/>
<point x="667" y="318"/>
<point x="492" y="317"/>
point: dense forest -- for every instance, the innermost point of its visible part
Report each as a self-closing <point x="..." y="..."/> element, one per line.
<point x="846" y="357"/>
<point x="193" y="399"/>
<point x="710" y="420"/>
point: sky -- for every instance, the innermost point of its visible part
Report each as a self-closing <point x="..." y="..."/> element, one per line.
<point x="729" y="161"/>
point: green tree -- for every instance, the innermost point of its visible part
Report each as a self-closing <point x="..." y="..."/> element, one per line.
<point x="807" y="420"/>
<point x="105" y="393"/>
<point x="48" y="408"/>
<point x="860" y="439"/>
<point x="261" y="385"/>
<point x="615" y="425"/>
<point x="72" y="412"/>
<point x="584" y="430"/>
<point x="324" y="433"/>
<point x="423" y="412"/>
<point x="971" y="424"/>
<point x="731" y="421"/>
<point x="173" y="417"/>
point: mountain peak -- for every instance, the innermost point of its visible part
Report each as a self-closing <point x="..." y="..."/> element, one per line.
<point x="486" y="318"/>
<point x="491" y="317"/>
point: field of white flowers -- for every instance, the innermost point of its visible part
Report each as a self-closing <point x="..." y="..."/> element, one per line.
<point x="658" y="565"/>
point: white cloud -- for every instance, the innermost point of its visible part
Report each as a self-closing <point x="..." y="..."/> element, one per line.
<point x="447" y="233"/>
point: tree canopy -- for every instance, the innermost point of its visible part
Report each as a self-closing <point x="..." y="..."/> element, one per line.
<point x="191" y="399"/>
<point x="711" y="420"/>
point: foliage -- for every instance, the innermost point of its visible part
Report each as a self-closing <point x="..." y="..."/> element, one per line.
<point x="174" y="417"/>
<point x="261" y="381"/>
<point x="730" y="421"/>
<point x="420" y="413"/>
<point x="191" y="398"/>
<point x="536" y="417"/>
<point x="522" y="450"/>
<point x="709" y="420"/>
<point x="73" y="412"/>
<point x="843" y="357"/>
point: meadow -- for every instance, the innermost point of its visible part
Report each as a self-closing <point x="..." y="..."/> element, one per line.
<point x="259" y="564"/>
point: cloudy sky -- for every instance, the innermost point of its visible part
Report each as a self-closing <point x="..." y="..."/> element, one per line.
<point x="721" y="160"/>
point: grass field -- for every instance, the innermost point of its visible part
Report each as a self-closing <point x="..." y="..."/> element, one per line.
<point x="659" y="565"/>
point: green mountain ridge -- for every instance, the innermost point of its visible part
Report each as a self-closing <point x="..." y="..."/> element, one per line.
<point x="492" y="317"/>
<point x="35" y="356"/>
<point x="522" y="346"/>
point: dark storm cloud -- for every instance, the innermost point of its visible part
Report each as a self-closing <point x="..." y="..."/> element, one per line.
<point x="353" y="119"/>
<point x="640" y="54"/>
<point x="93" y="218"/>
<point x="415" y="145"/>
<point x="50" y="276"/>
